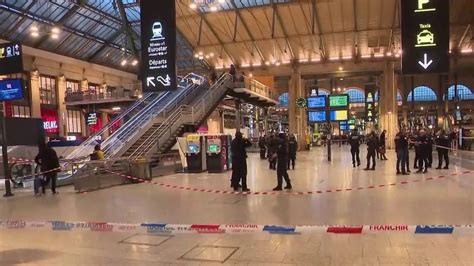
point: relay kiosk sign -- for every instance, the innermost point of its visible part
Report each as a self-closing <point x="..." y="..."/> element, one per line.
<point x="425" y="36"/>
<point x="158" y="33"/>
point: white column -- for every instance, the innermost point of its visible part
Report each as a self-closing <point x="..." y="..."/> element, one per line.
<point x="35" y="95"/>
<point x="388" y="104"/>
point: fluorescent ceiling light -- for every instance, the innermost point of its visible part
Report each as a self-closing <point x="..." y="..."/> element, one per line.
<point x="366" y="56"/>
<point x="466" y="51"/>
<point x="333" y="58"/>
<point x="378" y="55"/>
<point x="116" y="108"/>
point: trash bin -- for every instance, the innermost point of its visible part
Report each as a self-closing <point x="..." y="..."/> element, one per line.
<point x="140" y="168"/>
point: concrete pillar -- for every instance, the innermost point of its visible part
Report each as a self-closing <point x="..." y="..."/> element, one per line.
<point x="297" y="116"/>
<point x="388" y="104"/>
<point x="62" y="110"/>
<point x="237" y="116"/>
<point x="105" y="121"/>
<point x="35" y="95"/>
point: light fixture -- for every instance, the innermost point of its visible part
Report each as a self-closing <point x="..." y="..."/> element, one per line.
<point x="422" y="108"/>
<point x="135" y="62"/>
<point x="389" y="54"/>
<point x="117" y="108"/>
<point x="193" y="6"/>
<point x="55" y="30"/>
<point x="277" y="63"/>
<point x="124" y="62"/>
<point x="140" y="96"/>
<point x="378" y="55"/>
<point x="267" y="63"/>
<point x="34" y="34"/>
<point x="340" y="68"/>
<point x="250" y="75"/>
<point x="54" y="36"/>
<point x="366" y="56"/>
<point x="466" y="51"/>
<point x="211" y="54"/>
<point x="333" y="58"/>
<point x="196" y="56"/>
<point x="341" y="79"/>
<point x="221" y="1"/>
<point x="333" y="89"/>
<point x="347" y="57"/>
<point x="213" y="8"/>
<point x="34" y="28"/>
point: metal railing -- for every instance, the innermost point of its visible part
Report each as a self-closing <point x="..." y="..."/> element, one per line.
<point x="257" y="87"/>
<point x="182" y="115"/>
<point x="146" y="120"/>
<point x="73" y="97"/>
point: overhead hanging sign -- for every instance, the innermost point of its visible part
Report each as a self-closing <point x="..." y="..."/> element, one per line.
<point x="158" y="33"/>
<point x="11" y="60"/>
<point x="425" y="36"/>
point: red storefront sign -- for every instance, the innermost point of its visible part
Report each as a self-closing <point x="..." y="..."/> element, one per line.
<point x="50" y="121"/>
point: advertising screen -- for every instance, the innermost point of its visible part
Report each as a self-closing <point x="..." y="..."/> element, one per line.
<point x="11" y="89"/>
<point x="50" y="120"/>
<point x="158" y="34"/>
<point x="10" y="58"/>
<point x="338" y="115"/>
<point x="339" y="100"/>
<point x="318" y="116"/>
<point x="317" y="102"/>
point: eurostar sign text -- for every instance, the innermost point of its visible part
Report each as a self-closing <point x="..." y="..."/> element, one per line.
<point x="425" y="36"/>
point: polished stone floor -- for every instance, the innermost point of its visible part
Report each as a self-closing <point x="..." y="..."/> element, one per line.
<point x="448" y="200"/>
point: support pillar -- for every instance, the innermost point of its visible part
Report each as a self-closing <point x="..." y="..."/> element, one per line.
<point x="62" y="110"/>
<point x="105" y="121"/>
<point x="35" y="95"/>
<point x="237" y="116"/>
<point x="388" y="104"/>
<point x="297" y="117"/>
<point x="265" y="121"/>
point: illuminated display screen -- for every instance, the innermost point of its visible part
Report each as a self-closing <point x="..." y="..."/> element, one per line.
<point x="352" y="127"/>
<point x="318" y="116"/>
<point x="193" y="148"/>
<point x="213" y="148"/>
<point x="317" y="102"/>
<point x="425" y="36"/>
<point x="11" y="61"/>
<point x="158" y="35"/>
<point x="11" y="89"/>
<point x="339" y="100"/>
<point x="338" y="115"/>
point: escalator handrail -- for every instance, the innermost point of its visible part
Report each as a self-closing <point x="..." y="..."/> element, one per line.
<point x="156" y="135"/>
<point x="151" y="113"/>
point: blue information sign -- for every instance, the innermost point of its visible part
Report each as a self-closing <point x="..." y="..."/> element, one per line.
<point x="11" y="89"/>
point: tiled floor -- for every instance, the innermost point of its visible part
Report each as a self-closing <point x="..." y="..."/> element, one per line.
<point x="444" y="201"/>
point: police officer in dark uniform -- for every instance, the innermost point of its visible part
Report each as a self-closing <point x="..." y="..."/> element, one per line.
<point x="423" y="149"/>
<point x="372" y="146"/>
<point x="274" y="143"/>
<point x="292" y="147"/>
<point x="443" y="142"/>
<point x="282" y="165"/>
<point x="354" y="141"/>
<point x="239" y="162"/>
<point x="429" y="149"/>
<point x="401" y="147"/>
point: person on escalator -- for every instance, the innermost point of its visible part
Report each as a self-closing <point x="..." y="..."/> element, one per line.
<point x="97" y="154"/>
<point x="49" y="163"/>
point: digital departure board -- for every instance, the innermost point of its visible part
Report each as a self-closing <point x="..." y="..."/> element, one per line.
<point x="317" y="116"/>
<point x="425" y="36"/>
<point x="158" y="33"/>
<point x="316" y="102"/>
<point x="341" y="101"/>
<point x="338" y="115"/>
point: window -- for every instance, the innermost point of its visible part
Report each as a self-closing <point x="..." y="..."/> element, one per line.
<point x="283" y="100"/>
<point x="422" y="94"/>
<point x="95" y="89"/>
<point x="355" y="95"/>
<point x="21" y="111"/>
<point x="72" y="86"/>
<point x="463" y="92"/>
<point x="48" y="90"/>
<point x="74" y="121"/>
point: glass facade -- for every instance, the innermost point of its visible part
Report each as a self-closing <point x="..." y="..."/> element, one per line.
<point x="422" y="94"/>
<point x="463" y="93"/>
<point x="48" y="90"/>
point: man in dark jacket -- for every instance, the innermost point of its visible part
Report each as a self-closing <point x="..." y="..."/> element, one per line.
<point x="292" y="147"/>
<point x="49" y="162"/>
<point x="239" y="162"/>
<point x="282" y="165"/>
<point x="382" y="149"/>
<point x="443" y="143"/>
<point x="273" y="148"/>
<point x="423" y="148"/>
<point x="372" y="146"/>
<point x="401" y="148"/>
<point x="354" y="141"/>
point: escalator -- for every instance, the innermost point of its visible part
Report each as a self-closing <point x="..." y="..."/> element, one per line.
<point x="162" y="135"/>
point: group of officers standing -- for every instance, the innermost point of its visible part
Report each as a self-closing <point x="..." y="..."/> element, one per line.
<point x="422" y="142"/>
<point x="279" y="149"/>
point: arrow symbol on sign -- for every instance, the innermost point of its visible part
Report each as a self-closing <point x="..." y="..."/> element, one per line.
<point x="425" y="64"/>
<point x="149" y="80"/>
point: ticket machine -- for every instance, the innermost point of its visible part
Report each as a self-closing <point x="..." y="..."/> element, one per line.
<point x="196" y="153"/>
<point x="216" y="161"/>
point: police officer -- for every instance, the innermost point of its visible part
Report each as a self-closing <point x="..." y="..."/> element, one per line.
<point x="239" y="162"/>
<point x="429" y="149"/>
<point x="292" y="147"/>
<point x="401" y="147"/>
<point x="372" y="146"/>
<point x="423" y="149"/>
<point x="354" y="141"/>
<point x="282" y="165"/>
<point x="443" y="142"/>
<point x="274" y="143"/>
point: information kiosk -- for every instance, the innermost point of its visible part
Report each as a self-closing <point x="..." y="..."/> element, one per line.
<point x="195" y="153"/>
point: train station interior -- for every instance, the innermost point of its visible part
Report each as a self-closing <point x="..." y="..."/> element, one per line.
<point x="246" y="132"/>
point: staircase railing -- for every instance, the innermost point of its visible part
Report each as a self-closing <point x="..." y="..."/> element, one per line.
<point x="146" y="120"/>
<point x="184" y="114"/>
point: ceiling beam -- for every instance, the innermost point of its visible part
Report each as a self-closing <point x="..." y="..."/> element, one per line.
<point x="322" y="46"/>
<point x="126" y="27"/>
<point x="394" y="20"/>
<point x="285" y="33"/>
<point x="247" y="28"/>
<point x="356" y="35"/>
